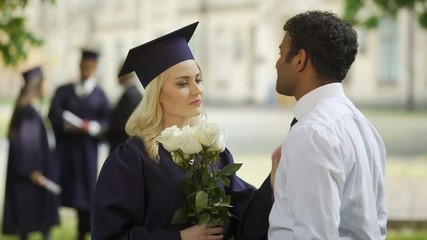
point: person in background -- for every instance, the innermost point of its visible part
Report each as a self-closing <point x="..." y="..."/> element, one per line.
<point x="28" y="205"/>
<point x="79" y="114"/>
<point x="330" y="179"/>
<point x="137" y="192"/>
<point x="128" y="101"/>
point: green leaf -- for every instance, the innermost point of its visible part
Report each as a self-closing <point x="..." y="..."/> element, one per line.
<point x="371" y="22"/>
<point x="17" y="39"/>
<point x="351" y="9"/>
<point x="225" y="181"/>
<point x="201" y="200"/>
<point x="204" y="218"/>
<point x="222" y="205"/>
<point x="230" y="169"/>
<point x="189" y="174"/>
<point x="227" y="199"/>
<point x="206" y="178"/>
<point x="405" y="3"/>
<point x="382" y="3"/>
<point x="422" y="19"/>
<point x="218" y="221"/>
<point x="180" y="216"/>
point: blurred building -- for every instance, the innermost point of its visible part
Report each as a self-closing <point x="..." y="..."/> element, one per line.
<point x="236" y="45"/>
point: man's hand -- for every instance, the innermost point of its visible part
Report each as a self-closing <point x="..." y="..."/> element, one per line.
<point x="275" y="159"/>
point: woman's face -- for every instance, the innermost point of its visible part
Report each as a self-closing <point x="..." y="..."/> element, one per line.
<point x="181" y="94"/>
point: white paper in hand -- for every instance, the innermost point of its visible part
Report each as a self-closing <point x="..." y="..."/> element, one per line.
<point x="72" y="119"/>
<point x="50" y="185"/>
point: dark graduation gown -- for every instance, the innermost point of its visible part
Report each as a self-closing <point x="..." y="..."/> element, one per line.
<point x="28" y="207"/>
<point x="136" y="198"/>
<point x="116" y="134"/>
<point x="77" y="154"/>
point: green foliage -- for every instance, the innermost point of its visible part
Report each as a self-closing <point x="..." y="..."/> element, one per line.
<point x="374" y="10"/>
<point x="230" y="169"/>
<point x="15" y="38"/>
<point x="422" y="19"/>
<point x="351" y="8"/>
<point x="371" y="22"/>
<point x="206" y="200"/>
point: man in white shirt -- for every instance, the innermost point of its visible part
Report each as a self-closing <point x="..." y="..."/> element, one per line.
<point x="330" y="180"/>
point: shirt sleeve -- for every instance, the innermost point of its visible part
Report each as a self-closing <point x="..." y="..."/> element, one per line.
<point x="118" y="206"/>
<point x="314" y="179"/>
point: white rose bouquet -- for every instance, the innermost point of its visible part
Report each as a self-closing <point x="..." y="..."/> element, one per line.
<point x="197" y="149"/>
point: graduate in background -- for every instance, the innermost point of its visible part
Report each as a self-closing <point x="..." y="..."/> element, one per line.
<point x="130" y="98"/>
<point x="28" y="205"/>
<point x="79" y="115"/>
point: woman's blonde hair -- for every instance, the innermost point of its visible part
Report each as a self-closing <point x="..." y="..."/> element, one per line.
<point x="146" y="120"/>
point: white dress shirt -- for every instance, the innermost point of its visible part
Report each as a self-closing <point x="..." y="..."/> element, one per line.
<point x="330" y="180"/>
<point x="84" y="88"/>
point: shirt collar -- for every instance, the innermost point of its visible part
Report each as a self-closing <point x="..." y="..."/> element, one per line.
<point x="306" y="103"/>
<point x="87" y="86"/>
<point x="128" y="84"/>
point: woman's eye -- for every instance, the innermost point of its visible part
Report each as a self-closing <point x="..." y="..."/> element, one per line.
<point x="182" y="83"/>
<point x="199" y="81"/>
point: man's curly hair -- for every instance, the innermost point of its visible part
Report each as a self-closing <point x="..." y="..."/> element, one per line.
<point x="330" y="42"/>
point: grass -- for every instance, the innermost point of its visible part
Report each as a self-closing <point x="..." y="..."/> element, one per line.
<point x="66" y="231"/>
<point x="4" y="122"/>
<point x="407" y="234"/>
<point x="414" y="168"/>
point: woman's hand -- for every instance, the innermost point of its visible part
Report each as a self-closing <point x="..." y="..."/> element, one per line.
<point x="202" y="232"/>
<point x="35" y="177"/>
<point x="275" y="159"/>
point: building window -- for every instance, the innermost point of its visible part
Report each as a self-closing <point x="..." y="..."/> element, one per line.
<point x="388" y="71"/>
<point x="223" y="56"/>
<point x="238" y="43"/>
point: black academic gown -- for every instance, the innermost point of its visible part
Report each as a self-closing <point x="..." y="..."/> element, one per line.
<point x="116" y="134"/>
<point x="28" y="207"/>
<point x="77" y="154"/>
<point x="136" y="198"/>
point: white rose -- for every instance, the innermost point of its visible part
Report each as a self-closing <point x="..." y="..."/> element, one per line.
<point x="170" y="138"/>
<point x="208" y="133"/>
<point x="219" y="144"/>
<point x="189" y="141"/>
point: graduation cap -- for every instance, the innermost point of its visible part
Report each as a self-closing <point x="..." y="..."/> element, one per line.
<point x="152" y="58"/>
<point x="89" y="54"/>
<point x="32" y="73"/>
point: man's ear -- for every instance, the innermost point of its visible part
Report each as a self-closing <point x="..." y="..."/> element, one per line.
<point x="301" y="60"/>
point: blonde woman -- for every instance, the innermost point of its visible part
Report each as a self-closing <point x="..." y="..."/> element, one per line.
<point x="137" y="192"/>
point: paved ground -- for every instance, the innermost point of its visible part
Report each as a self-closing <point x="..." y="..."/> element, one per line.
<point x="254" y="132"/>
